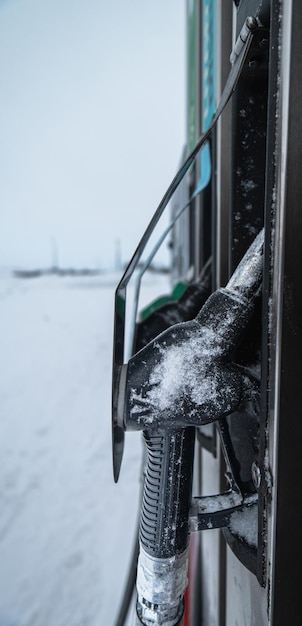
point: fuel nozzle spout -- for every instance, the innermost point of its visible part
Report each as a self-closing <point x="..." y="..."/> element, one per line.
<point x="247" y="278"/>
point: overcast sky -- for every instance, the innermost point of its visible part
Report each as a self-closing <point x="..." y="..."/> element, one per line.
<point x="92" y="118"/>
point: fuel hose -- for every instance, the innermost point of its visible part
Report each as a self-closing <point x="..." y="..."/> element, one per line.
<point x="164" y="529"/>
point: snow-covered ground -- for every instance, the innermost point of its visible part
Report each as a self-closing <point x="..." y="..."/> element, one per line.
<point x="66" y="530"/>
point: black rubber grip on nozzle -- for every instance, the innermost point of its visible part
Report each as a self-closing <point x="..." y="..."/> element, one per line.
<point x="164" y="528"/>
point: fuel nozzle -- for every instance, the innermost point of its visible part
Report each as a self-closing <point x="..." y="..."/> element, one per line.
<point x="186" y="376"/>
<point x="183" y="378"/>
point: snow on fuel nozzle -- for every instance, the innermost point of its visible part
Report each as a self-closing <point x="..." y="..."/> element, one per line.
<point x="183" y="378"/>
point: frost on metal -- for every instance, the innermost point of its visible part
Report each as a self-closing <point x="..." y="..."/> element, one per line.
<point x="245" y="525"/>
<point x="248" y="275"/>
<point x="186" y="375"/>
<point x="212" y="504"/>
<point x="184" y="371"/>
<point x="185" y="382"/>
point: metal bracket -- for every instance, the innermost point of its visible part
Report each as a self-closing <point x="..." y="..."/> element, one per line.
<point x="216" y="511"/>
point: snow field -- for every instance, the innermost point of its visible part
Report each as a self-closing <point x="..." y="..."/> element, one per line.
<point x="66" y="530"/>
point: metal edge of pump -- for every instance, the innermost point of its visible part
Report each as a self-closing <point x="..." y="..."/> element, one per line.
<point x="278" y="465"/>
<point x="263" y="469"/>
<point x="280" y="181"/>
<point x="249" y="161"/>
<point x="283" y="427"/>
<point x="276" y="468"/>
<point x="207" y="437"/>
